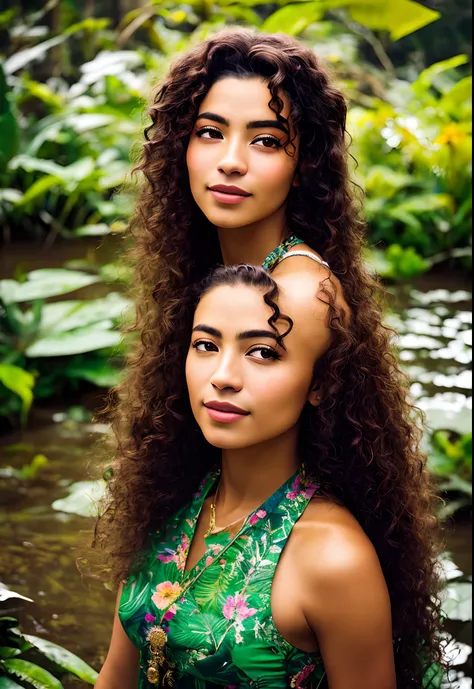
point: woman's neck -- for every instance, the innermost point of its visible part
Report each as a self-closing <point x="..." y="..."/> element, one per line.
<point x="251" y="475"/>
<point x="252" y="243"/>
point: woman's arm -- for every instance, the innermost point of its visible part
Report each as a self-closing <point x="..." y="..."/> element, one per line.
<point x="120" y="670"/>
<point x="347" y="605"/>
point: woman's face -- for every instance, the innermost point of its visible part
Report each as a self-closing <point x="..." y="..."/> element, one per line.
<point x="238" y="142"/>
<point x="234" y="359"/>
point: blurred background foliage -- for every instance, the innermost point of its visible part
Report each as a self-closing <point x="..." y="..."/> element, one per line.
<point x="75" y="77"/>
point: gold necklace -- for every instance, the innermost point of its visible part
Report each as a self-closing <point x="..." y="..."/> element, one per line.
<point x="212" y="528"/>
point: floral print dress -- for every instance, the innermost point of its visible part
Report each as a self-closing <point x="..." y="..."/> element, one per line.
<point x="216" y="619"/>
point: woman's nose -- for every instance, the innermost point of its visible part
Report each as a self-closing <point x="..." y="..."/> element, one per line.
<point x="234" y="159"/>
<point x="226" y="376"/>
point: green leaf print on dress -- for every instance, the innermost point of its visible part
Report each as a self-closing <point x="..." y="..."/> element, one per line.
<point x="217" y="617"/>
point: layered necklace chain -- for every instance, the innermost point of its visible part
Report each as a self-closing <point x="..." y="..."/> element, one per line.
<point x="213" y="528"/>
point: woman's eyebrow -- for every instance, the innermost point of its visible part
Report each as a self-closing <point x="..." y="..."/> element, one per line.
<point x="246" y="335"/>
<point x="253" y="334"/>
<point x="255" y="124"/>
<point x="208" y="330"/>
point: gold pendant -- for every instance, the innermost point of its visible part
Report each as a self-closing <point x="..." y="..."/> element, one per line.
<point x="157" y="639"/>
<point x="153" y="674"/>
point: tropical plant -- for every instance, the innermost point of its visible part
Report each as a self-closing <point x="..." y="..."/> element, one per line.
<point x="450" y="460"/>
<point x="415" y="155"/>
<point x="51" y="347"/>
<point x="31" y="660"/>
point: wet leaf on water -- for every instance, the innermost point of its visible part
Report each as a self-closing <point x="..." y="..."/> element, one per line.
<point x="458" y="602"/>
<point x="6" y="594"/>
<point x="83" y="499"/>
<point x="64" y="659"/>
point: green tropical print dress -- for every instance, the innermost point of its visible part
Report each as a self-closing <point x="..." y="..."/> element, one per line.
<point x="217" y="617"/>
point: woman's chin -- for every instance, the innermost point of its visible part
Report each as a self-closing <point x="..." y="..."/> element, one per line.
<point x="223" y="440"/>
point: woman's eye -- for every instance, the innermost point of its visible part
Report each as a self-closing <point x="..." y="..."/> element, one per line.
<point x="205" y="346"/>
<point x="210" y="131"/>
<point x="268" y="142"/>
<point x="264" y="354"/>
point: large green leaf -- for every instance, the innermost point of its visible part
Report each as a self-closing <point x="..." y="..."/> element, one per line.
<point x="67" y="174"/>
<point x="20" y="382"/>
<point x="426" y="78"/>
<point x="89" y="339"/>
<point x="29" y="672"/>
<point x="39" y="189"/>
<point x="293" y="19"/>
<point x="64" y="659"/>
<point x="44" y="283"/>
<point x="23" y="58"/>
<point x="63" y="316"/>
<point x="32" y="164"/>
<point x="400" y="17"/>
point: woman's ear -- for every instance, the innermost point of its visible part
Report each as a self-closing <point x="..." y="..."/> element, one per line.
<point x="296" y="180"/>
<point x="315" y="397"/>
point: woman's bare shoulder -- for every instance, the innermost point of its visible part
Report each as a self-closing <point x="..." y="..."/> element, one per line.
<point x="332" y="542"/>
<point x="300" y="278"/>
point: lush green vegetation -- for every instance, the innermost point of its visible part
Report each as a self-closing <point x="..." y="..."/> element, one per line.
<point x="73" y="87"/>
<point x="33" y="660"/>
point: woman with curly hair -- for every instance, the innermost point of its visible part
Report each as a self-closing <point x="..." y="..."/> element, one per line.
<point x="246" y="152"/>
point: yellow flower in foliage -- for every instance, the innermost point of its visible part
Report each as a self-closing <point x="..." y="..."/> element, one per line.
<point x="453" y="135"/>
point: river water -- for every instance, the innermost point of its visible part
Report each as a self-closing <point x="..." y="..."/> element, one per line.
<point x="40" y="544"/>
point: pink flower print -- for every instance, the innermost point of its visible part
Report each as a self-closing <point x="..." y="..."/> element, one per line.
<point x="181" y="553"/>
<point x="150" y="618"/>
<point x="236" y="608"/>
<point x="170" y="613"/>
<point x="256" y="517"/>
<point x="216" y="548"/>
<point x="295" y="489"/>
<point x="305" y="673"/>
<point x="166" y="594"/>
<point x="209" y="560"/>
<point x="309" y="490"/>
<point x="171" y="557"/>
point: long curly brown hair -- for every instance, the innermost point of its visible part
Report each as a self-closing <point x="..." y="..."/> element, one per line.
<point x="363" y="442"/>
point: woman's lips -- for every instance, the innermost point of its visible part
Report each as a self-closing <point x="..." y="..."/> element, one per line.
<point x="231" y="196"/>
<point x="224" y="416"/>
<point x="225" y="413"/>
